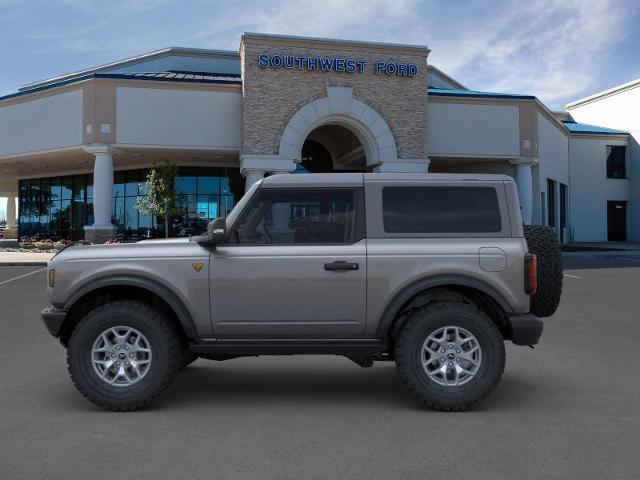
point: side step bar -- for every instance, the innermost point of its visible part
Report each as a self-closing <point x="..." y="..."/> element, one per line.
<point x="290" y="347"/>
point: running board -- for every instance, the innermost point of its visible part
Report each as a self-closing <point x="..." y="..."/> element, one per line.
<point x="290" y="347"/>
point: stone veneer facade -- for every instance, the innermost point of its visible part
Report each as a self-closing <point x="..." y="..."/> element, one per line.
<point x="272" y="96"/>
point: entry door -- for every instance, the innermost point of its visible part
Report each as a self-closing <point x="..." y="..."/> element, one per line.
<point x="296" y="267"/>
<point x="617" y="221"/>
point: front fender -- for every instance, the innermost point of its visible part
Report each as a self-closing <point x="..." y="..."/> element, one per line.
<point x="177" y="305"/>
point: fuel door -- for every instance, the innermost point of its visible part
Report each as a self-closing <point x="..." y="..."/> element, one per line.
<point x="492" y="259"/>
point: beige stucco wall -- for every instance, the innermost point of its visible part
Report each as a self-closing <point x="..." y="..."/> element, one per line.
<point x="473" y="129"/>
<point x="50" y="122"/>
<point x="172" y="117"/>
<point x="272" y="96"/>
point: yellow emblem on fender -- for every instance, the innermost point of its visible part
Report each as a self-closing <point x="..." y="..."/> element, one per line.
<point x="197" y="266"/>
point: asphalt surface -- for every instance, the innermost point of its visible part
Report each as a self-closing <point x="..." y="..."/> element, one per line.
<point x="568" y="409"/>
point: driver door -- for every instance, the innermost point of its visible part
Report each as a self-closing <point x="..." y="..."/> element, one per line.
<point x="296" y="267"/>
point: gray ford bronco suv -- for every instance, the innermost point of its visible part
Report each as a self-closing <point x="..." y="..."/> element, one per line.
<point x="431" y="271"/>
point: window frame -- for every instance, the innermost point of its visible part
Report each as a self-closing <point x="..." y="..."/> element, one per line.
<point x="358" y="224"/>
<point x="375" y="217"/>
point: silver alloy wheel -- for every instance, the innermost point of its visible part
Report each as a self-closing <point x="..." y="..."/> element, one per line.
<point x="121" y="356"/>
<point x="451" y="356"/>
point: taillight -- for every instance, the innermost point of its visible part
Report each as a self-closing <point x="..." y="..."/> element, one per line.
<point x="530" y="274"/>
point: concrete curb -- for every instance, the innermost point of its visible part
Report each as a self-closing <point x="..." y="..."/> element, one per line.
<point x="23" y="264"/>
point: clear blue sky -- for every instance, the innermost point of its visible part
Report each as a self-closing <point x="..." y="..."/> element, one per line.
<point x="558" y="50"/>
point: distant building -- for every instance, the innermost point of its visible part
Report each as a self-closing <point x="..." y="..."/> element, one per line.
<point x="75" y="148"/>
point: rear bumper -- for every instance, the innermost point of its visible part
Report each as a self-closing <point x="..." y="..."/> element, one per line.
<point x="526" y="329"/>
<point x="53" y="319"/>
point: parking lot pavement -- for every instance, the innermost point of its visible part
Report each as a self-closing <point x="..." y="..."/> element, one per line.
<point x="568" y="409"/>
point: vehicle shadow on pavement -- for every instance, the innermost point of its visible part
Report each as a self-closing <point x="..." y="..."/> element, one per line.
<point x="203" y="384"/>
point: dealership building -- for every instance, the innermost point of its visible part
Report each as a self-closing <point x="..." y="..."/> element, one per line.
<point x="75" y="149"/>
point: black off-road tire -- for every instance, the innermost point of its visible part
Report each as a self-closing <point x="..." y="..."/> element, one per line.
<point x="424" y="321"/>
<point x="165" y="347"/>
<point x="542" y="241"/>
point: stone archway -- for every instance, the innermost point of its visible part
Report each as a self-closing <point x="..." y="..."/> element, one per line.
<point x="339" y="108"/>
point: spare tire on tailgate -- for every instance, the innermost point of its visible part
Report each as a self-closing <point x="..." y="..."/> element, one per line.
<point x="542" y="242"/>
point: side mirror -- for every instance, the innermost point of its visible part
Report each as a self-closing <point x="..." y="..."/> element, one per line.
<point x="216" y="233"/>
<point x="217" y="230"/>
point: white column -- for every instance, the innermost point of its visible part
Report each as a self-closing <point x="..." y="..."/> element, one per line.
<point x="251" y="177"/>
<point x="103" y="189"/>
<point x="254" y="166"/>
<point x="524" y="182"/>
<point x="11" y="211"/>
<point x="102" y="229"/>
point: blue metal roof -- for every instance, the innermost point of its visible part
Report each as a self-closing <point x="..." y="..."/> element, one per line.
<point x="176" y="75"/>
<point x="575" y="127"/>
<point x="444" y="92"/>
<point x="173" y="76"/>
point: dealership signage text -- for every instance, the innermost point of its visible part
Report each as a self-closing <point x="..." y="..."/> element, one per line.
<point x="331" y="64"/>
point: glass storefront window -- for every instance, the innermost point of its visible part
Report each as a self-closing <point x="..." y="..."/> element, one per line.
<point x="67" y="188"/>
<point x="60" y="207"/>
<point x="208" y="185"/>
<point x="187" y="184"/>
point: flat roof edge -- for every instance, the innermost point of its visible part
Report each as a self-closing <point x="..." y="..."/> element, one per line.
<point x="472" y="94"/>
<point x="604" y="93"/>
<point x="336" y="41"/>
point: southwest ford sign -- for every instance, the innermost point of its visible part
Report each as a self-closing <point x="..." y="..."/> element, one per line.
<point x="331" y="64"/>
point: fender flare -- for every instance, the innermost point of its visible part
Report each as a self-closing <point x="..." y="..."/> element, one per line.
<point x="408" y="292"/>
<point x="178" y="307"/>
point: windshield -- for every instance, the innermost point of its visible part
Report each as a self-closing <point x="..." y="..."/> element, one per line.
<point x="233" y="216"/>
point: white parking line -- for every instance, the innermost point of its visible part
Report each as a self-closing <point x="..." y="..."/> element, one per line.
<point x="22" y="276"/>
<point x="571" y="276"/>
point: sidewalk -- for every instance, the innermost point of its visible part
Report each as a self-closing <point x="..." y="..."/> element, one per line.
<point x="24" y="259"/>
<point x="608" y="249"/>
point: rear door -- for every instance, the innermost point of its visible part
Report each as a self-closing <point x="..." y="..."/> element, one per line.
<point x="296" y="267"/>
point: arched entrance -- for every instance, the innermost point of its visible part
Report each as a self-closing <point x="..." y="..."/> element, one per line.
<point x="337" y="133"/>
<point x="332" y="148"/>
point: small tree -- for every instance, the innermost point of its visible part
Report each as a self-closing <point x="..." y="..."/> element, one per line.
<point x="160" y="193"/>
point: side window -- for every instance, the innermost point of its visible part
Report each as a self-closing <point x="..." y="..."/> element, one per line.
<point x="616" y="161"/>
<point x="293" y="216"/>
<point x="441" y="210"/>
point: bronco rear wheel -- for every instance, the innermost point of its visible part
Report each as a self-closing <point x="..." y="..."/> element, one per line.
<point x="450" y="355"/>
<point x="123" y="354"/>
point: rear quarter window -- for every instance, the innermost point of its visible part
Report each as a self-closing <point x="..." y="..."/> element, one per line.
<point x="441" y="209"/>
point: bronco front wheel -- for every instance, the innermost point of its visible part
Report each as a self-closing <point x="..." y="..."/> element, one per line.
<point x="123" y="354"/>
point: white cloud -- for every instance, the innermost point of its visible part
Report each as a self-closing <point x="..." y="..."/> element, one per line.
<point x="548" y="48"/>
<point x="554" y="49"/>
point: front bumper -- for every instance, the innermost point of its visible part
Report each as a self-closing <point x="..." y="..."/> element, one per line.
<point x="525" y="329"/>
<point x="53" y="319"/>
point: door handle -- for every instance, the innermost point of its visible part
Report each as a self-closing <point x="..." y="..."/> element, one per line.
<point x="341" y="265"/>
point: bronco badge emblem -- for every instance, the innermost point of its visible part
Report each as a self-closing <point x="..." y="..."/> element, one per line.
<point x="197" y="266"/>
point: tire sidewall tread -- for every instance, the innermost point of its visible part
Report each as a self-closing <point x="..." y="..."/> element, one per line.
<point x="166" y="351"/>
<point x="424" y="321"/>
